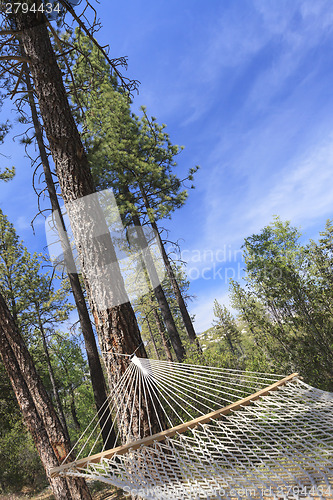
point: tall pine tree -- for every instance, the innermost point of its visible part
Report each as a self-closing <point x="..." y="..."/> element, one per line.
<point x="116" y="323"/>
<point x="134" y="157"/>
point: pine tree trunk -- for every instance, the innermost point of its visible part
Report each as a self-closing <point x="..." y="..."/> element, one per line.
<point x="158" y="290"/>
<point x="152" y="338"/>
<point x="173" y="280"/>
<point x="169" y="323"/>
<point x="37" y="409"/>
<point x="171" y="275"/>
<point x="73" y="409"/>
<point x="32" y="420"/>
<point x="161" y="330"/>
<point x="95" y="367"/>
<point x="116" y="324"/>
<point x="53" y="382"/>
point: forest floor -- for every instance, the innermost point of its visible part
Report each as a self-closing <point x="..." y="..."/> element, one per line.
<point x="97" y="492"/>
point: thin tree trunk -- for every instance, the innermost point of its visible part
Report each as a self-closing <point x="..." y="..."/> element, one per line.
<point x="73" y="409"/>
<point x="114" y="317"/>
<point x="95" y="367"/>
<point x="231" y="345"/>
<point x="171" y="275"/>
<point x="53" y="382"/>
<point x="32" y="419"/>
<point x="161" y="330"/>
<point x="36" y="406"/>
<point x="158" y="290"/>
<point x="152" y="338"/>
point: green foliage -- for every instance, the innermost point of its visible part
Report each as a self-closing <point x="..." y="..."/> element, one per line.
<point x="19" y="461"/>
<point x="16" y="266"/>
<point x="41" y="310"/>
<point x="7" y="174"/>
<point x="72" y="375"/>
<point x="287" y="301"/>
<point x="4" y="129"/>
<point x="29" y="293"/>
<point x="133" y="156"/>
<point x="226" y="329"/>
<point x="283" y="320"/>
<point x="216" y="351"/>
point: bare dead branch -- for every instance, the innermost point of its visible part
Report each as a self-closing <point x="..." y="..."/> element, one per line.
<point x="18" y="81"/>
<point x="40" y="212"/>
<point x="64" y="54"/>
<point x="10" y="32"/>
<point x="59" y="44"/>
<point x="129" y="85"/>
<point x="15" y="58"/>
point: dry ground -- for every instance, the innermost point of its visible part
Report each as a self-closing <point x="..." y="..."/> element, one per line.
<point x="106" y="493"/>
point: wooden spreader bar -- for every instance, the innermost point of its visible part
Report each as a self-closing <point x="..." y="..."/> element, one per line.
<point x="179" y="429"/>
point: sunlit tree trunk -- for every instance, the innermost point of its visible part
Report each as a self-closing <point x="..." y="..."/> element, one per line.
<point x="158" y="290"/>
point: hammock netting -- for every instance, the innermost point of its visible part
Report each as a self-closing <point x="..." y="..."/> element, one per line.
<point x="269" y="436"/>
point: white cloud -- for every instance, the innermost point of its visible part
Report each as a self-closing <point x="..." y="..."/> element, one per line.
<point x="304" y="191"/>
<point x="266" y="149"/>
<point x="225" y="48"/>
<point x="301" y="192"/>
<point x="300" y="30"/>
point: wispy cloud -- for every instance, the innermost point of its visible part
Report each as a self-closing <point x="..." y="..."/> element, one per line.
<point x="23" y="223"/>
<point x="304" y="191"/>
<point x="299" y="190"/>
<point x="252" y="97"/>
<point x="221" y="52"/>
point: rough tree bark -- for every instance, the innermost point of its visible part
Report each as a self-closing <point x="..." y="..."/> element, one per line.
<point x="95" y="367"/>
<point x="36" y="406"/>
<point x="32" y="420"/>
<point x="116" y="324"/>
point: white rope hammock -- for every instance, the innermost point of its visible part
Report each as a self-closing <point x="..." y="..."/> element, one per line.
<point x="230" y="435"/>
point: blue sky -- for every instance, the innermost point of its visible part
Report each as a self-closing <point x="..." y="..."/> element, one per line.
<point x="246" y="87"/>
